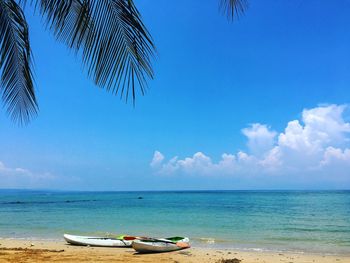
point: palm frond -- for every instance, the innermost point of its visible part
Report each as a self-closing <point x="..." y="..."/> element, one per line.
<point x="15" y="64"/>
<point x="233" y="8"/>
<point x="115" y="46"/>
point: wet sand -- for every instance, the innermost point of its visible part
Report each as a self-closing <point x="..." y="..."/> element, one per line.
<point x="17" y="251"/>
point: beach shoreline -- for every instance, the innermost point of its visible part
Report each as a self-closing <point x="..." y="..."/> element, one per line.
<point x="26" y="250"/>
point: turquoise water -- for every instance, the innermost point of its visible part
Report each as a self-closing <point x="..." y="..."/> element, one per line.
<point x="303" y="221"/>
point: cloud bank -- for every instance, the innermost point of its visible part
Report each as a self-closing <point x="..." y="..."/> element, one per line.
<point x="318" y="144"/>
<point x="23" y="178"/>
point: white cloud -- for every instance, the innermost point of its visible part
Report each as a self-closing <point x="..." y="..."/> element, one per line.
<point x="336" y="155"/>
<point x="323" y="126"/>
<point x="318" y="144"/>
<point x="157" y="159"/>
<point x="260" y="138"/>
<point x="19" y="177"/>
<point x="21" y="172"/>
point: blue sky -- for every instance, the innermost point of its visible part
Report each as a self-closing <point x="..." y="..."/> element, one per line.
<point x="213" y="79"/>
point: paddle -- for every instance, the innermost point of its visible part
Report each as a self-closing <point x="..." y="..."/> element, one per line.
<point x="129" y="238"/>
<point x="181" y="244"/>
<point x="126" y="237"/>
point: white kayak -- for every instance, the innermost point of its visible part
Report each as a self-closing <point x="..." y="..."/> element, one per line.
<point x="160" y="245"/>
<point x="122" y="241"/>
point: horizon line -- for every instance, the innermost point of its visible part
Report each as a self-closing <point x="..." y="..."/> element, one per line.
<point x="176" y="190"/>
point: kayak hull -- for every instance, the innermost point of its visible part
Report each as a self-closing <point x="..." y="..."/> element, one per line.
<point x="96" y="241"/>
<point x="159" y="246"/>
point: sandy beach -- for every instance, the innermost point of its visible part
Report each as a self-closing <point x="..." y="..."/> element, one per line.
<point x="55" y="251"/>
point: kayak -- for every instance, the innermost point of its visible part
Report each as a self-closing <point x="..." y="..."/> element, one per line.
<point x="151" y="245"/>
<point x="120" y="241"/>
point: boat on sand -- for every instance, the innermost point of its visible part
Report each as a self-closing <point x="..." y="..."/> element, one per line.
<point x="152" y="245"/>
<point x="120" y="241"/>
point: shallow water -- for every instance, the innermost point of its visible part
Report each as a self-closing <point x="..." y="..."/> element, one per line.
<point x="303" y="221"/>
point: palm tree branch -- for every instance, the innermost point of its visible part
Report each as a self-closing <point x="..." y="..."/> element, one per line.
<point x="15" y="64"/>
<point x="114" y="44"/>
<point x="233" y="8"/>
<point x="123" y="34"/>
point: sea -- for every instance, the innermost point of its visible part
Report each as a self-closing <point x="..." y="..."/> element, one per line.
<point x="295" y="221"/>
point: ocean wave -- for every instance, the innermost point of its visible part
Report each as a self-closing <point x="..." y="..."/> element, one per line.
<point x="210" y="240"/>
<point x="304" y="229"/>
<point x="207" y="240"/>
<point x="46" y="202"/>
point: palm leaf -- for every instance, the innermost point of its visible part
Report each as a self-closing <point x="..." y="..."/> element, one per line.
<point x="15" y="63"/>
<point x="233" y="8"/>
<point x="115" y="46"/>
